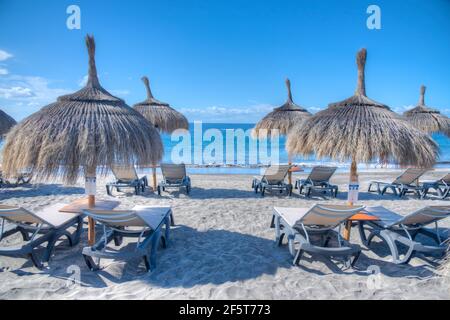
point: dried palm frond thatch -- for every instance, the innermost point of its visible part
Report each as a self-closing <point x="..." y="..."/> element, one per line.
<point x="6" y="123"/>
<point x="362" y="130"/>
<point x="160" y="114"/>
<point x="427" y="119"/>
<point x="89" y="128"/>
<point x="282" y="118"/>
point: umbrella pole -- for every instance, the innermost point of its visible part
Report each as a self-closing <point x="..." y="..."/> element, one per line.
<point x="154" y="178"/>
<point x="289" y="172"/>
<point x="353" y="180"/>
<point x="90" y="191"/>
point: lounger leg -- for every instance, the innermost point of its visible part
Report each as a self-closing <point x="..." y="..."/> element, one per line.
<point x="390" y="242"/>
<point x="298" y="257"/>
<point x="150" y="258"/>
<point x="291" y="244"/>
<point x="172" y="220"/>
<point x="370" y="185"/>
<point x="77" y="235"/>
<point x="35" y="259"/>
<point x="91" y="263"/>
<point x="166" y="231"/>
<point x="276" y="222"/>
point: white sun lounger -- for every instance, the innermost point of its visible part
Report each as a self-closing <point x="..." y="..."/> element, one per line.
<point x="142" y="222"/>
<point x="402" y="184"/>
<point x="396" y="229"/>
<point x="273" y="179"/>
<point x="45" y="226"/>
<point x="299" y="224"/>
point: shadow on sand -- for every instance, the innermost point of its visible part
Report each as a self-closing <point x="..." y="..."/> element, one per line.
<point x="216" y="257"/>
<point x="38" y="190"/>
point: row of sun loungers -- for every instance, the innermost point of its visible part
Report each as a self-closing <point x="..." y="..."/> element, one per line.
<point x="318" y="181"/>
<point x="174" y="176"/>
<point x="149" y="224"/>
<point x="315" y="231"/>
<point x="310" y="230"/>
<point x="21" y="178"/>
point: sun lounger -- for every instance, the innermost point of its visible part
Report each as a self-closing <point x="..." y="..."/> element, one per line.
<point x="126" y="177"/>
<point x="319" y="181"/>
<point x="402" y="184"/>
<point x="174" y="176"/>
<point x="20" y="178"/>
<point x="442" y="187"/>
<point x="46" y="226"/>
<point x="273" y="179"/>
<point x="299" y="225"/>
<point x="396" y="229"/>
<point x="142" y="222"/>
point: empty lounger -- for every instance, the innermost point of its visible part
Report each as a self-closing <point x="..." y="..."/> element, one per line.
<point x="318" y="180"/>
<point x="442" y="187"/>
<point x="402" y="184"/>
<point x="126" y="177"/>
<point x="396" y="229"/>
<point x="142" y="222"/>
<point x="273" y="179"/>
<point x="45" y="226"/>
<point x="174" y="176"/>
<point x="300" y="224"/>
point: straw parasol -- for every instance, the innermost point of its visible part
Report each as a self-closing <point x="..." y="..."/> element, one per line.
<point x="89" y="128"/>
<point x="165" y="118"/>
<point x="427" y="119"/>
<point x="362" y="130"/>
<point x="283" y="119"/>
<point x="6" y="123"/>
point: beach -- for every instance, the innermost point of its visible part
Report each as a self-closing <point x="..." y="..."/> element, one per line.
<point x="222" y="247"/>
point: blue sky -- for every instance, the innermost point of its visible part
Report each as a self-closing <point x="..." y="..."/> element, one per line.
<point x="226" y="60"/>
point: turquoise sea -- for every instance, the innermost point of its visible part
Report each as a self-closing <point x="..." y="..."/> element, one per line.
<point x="206" y="149"/>
<point x="223" y="163"/>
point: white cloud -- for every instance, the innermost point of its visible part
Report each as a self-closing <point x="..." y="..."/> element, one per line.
<point x="83" y="81"/>
<point x="3" y="71"/>
<point x="5" y="55"/>
<point x="120" y="93"/>
<point x="28" y="90"/>
<point x="15" y="92"/>
<point x="245" y="114"/>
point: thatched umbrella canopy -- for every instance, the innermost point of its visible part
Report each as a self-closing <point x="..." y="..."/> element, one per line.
<point x="89" y="128"/>
<point x="6" y="123"/>
<point x="163" y="117"/>
<point x="362" y="130"/>
<point x="282" y="118"/>
<point x="427" y="119"/>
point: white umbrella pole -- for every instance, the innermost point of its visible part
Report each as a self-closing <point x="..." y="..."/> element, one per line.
<point x="90" y="189"/>
<point x="154" y="178"/>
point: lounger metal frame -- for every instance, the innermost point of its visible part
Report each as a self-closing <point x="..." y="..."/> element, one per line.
<point x="146" y="246"/>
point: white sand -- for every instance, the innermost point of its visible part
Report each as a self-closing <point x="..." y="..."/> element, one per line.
<point x="221" y="248"/>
